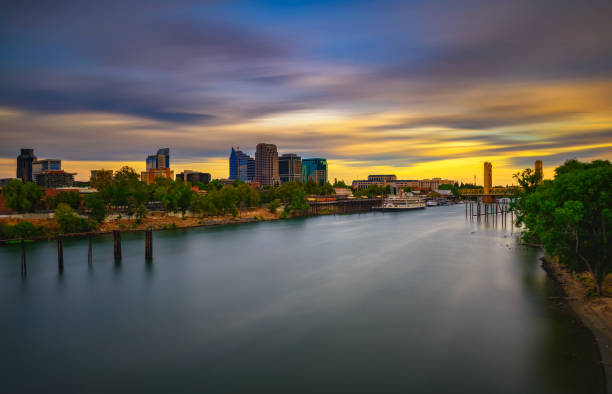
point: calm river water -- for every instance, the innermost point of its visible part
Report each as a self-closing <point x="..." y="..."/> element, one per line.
<point x="411" y="302"/>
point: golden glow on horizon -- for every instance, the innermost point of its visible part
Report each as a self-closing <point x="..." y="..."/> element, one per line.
<point x="423" y="140"/>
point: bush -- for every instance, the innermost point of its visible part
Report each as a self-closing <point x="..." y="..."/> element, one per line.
<point x="69" y="222"/>
<point x="20" y="230"/>
<point x="274" y="205"/>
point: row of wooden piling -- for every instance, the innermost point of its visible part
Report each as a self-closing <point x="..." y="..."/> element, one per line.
<point x="489" y="211"/>
<point x="116" y="250"/>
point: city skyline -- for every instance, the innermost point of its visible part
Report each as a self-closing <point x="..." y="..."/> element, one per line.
<point x="417" y="89"/>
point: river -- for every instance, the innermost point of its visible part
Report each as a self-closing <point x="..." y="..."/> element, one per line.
<point x="410" y="302"/>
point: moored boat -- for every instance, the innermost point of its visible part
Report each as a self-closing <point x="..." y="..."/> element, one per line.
<point x="402" y="203"/>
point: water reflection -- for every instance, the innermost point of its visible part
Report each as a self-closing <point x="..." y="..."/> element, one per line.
<point x="417" y="302"/>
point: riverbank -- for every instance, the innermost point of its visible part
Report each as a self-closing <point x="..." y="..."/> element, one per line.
<point x="155" y="220"/>
<point x="595" y="312"/>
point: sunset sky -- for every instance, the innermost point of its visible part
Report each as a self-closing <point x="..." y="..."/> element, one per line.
<point x="413" y="88"/>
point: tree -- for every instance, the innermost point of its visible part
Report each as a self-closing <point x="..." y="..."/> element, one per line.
<point x="95" y="203"/>
<point x="22" y="197"/>
<point x="68" y="221"/>
<point x="214" y="184"/>
<point x="72" y="198"/>
<point x="571" y="216"/>
<point x="327" y="189"/>
<point x="310" y="187"/>
<point x="298" y="205"/>
<point x="273" y="206"/>
<point x="101" y="179"/>
<point x="340" y="184"/>
<point x="528" y="180"/>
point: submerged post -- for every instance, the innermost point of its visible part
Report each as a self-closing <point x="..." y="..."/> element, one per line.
<point x="149" y="244"/>
<point x="89" y="255"/>
<point x="60" y="254"/>
<point x="117" y="244"/>
<point x="24" y="270"/>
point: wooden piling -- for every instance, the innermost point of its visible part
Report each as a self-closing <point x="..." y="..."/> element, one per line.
<point x="24" y="269"/>
<point x="60" y="254"/>
<point x="149" y="244"/>
<point x="89" y="254"/>
<point x="117" y="244"/>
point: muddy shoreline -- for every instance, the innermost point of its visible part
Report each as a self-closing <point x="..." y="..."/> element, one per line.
<point x="594" y="313"/>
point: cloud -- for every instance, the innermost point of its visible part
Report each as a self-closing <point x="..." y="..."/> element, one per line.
<point x="389" y="85"/>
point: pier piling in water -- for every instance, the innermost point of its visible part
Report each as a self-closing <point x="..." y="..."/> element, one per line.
<point x="60" y="254"/>
<point x="89" y="255"/>
<point x="24" y="270"/>
<point x="149" y="244"/>
<point x="117" y="244"/>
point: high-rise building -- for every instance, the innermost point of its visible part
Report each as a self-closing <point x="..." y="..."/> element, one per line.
<point x="158" y="166"/>
<point x="488" y="177"/>
<point x="266" y="165"/>
<point x="24" y="165"/>
<point x="315" y="169"/>
<point x="539" y="169"/>
<point x="290" y="168"/>
<point x="242" y="166"/>
<point x="163" y="158"/>
<point x="151" y="162"/>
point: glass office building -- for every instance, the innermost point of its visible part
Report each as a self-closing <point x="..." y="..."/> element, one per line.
<point x="315" y="169"/>
<point x="242" y="166"/>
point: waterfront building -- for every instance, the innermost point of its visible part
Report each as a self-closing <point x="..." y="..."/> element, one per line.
<point x="194" y="176"/>
<point x="539" y="169"/>
<point x="290" y="168"/>
<point x="382" y="178"/>
<point x="488" y="177"/>
<point x="315" y="169"/>
<point x="343" y="192"/>
<point x="242" y="166"/>
<point x="434" y="183"/>
<point x="266" y="164"/>
<point x="24" y="165"/>
<point x="54" y="179"/>
<point x="150" y="176"/>
<point x="158" y="166"/>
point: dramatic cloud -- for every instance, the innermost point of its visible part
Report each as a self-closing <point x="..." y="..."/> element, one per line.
<point x="417" y="88"/>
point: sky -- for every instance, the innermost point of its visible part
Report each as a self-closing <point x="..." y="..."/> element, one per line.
<point x="414" y="88"/>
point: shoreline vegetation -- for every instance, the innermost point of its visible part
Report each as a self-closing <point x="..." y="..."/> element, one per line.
<point x="570" y="217"/>
<point x="157" y="221"/>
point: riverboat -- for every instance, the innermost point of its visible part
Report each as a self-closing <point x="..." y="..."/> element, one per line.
<point x="395" y="203"/>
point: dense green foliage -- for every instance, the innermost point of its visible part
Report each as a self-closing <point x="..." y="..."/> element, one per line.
<point x="72" y="198"/>
<point x="454" y="188"/>
<point x="22" y="197"/>
<point x="373" y="191"/>
<point x="69" y="222"/>
<point x="20" y="230"/>
<point x="97" y="208"/>
<point x="274" y="205"/>
<point x="571" y="216"/>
